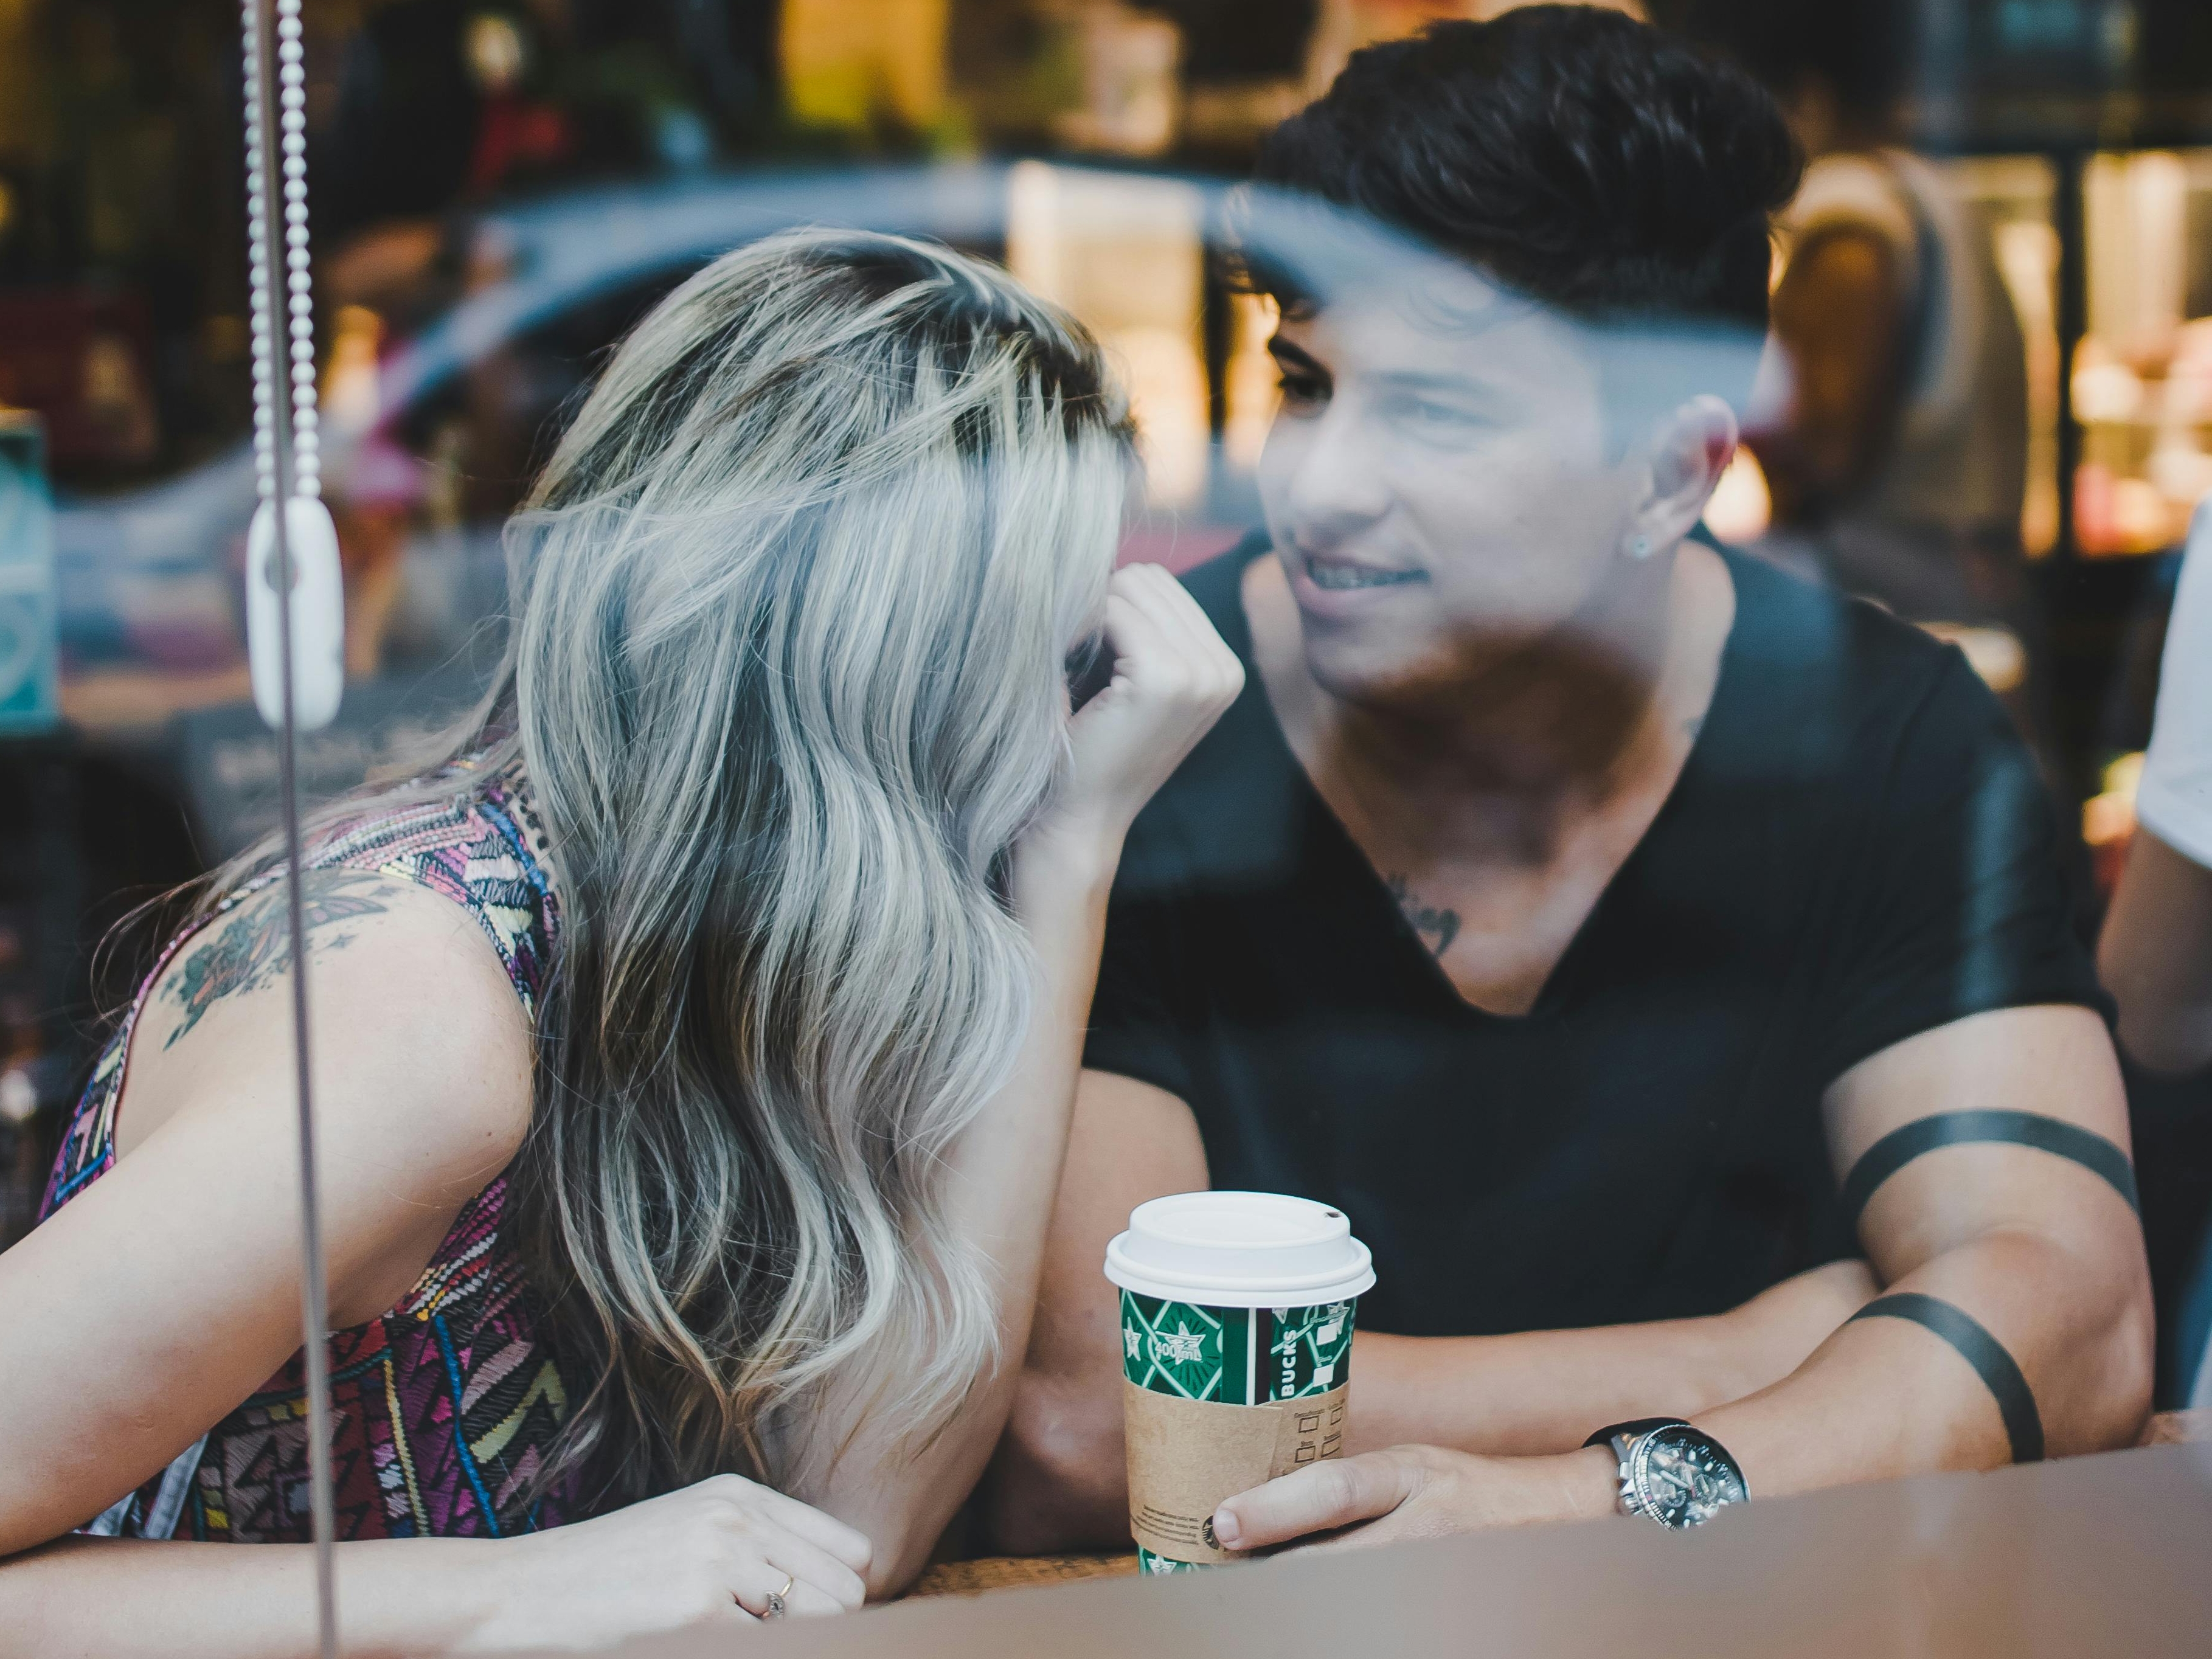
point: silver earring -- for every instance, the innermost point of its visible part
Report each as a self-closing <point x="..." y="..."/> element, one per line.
<point x="1640" y="548"/>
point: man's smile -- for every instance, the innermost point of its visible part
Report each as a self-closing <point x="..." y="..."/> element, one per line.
<point x="1338" y="576"/>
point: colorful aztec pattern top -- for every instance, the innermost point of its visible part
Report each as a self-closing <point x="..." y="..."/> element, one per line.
<point x="443" y="1405"/>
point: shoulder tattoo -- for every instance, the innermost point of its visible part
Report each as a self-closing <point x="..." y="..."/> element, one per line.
<point x="1437" y="928"/>
<point x="253" y="947"/>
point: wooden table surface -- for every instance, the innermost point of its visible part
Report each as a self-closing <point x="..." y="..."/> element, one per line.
<point x="2076" y="1558"/>
<point x="998" y="1572"/>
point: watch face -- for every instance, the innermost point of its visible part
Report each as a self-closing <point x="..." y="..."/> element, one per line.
<point x="1682" y="1478"/>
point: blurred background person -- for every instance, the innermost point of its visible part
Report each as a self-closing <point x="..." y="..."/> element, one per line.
<point x="1897" y="458"/>
<point x="2157" y="950"/>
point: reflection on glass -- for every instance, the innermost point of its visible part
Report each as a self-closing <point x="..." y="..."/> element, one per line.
<point x="1122" y="254"/>
<point x="1569" y="893"/>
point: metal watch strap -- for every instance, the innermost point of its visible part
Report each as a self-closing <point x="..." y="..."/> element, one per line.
<point x="1620" y="1438"/>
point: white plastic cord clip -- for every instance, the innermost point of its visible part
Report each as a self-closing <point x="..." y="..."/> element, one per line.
<point x="318" y="593"/>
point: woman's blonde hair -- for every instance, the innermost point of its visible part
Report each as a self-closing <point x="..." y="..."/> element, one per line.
<point x="794" y="601"/>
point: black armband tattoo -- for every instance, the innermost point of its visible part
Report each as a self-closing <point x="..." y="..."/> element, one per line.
<point x="2000" y="1373"/>
<point x="2049" y="1134"/>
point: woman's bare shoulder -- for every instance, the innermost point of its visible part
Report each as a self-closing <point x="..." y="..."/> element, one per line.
<point x="411" y="1017"/>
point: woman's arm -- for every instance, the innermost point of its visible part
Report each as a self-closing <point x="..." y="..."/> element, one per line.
<point x="1173" y="677"/>
<point x="121" y="1596"/>
<point x="692" y="1560"/>
<point x="153" y="1302"/>
<point x="125" y="1345"/>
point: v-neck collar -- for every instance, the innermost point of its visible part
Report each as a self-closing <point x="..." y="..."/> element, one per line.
<point x="1337" y="841"/>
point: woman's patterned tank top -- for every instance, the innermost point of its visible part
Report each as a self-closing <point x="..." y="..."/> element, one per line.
<point x="445" y="1405"/>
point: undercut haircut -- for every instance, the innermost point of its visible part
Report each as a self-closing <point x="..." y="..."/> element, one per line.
<point x="1588" y="162"/>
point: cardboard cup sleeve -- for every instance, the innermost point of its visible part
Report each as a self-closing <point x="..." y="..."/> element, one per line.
<point x="1186" y="1455"/>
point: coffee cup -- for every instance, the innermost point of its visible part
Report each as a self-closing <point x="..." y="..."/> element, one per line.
<point x="1236" y="1318"/>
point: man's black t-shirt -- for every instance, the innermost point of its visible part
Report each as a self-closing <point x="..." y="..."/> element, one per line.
<point x="1858" y="849"/>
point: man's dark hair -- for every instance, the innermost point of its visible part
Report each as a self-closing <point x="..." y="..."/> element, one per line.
<point x="1586" y="160"/>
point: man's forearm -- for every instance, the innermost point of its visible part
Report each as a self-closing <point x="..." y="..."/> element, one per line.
<point x="1881" y="1397"/>
<point x="1546" y="1391"/>
<point x="1059" y="1482"/>
<point x="1885" y="1397"/>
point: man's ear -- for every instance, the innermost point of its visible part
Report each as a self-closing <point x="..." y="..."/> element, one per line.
<point x="1690" y="450"/>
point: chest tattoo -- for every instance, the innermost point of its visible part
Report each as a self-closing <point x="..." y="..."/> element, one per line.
<point x="1437" y="928"/>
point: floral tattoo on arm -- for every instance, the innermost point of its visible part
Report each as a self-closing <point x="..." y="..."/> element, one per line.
<point x="254" y="947"/>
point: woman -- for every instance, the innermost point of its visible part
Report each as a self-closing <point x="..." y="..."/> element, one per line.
<point x="694" y="1047"/>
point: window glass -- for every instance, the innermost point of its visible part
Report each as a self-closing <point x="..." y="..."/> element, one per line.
<point x="1663" y="783"/>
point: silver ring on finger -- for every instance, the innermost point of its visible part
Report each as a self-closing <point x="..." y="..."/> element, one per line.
<point x="777" y="1606"/>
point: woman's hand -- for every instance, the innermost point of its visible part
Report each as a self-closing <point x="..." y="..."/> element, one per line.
<point x="1417" y="1491"/>
<point x="1173" y="678"/>
<point x="706" y="1558"/>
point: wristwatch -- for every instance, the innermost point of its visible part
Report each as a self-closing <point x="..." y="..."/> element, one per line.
<point x="1671" y="1473"/>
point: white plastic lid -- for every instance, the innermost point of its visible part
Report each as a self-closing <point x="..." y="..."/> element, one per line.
<point x="1240" y="1250"/>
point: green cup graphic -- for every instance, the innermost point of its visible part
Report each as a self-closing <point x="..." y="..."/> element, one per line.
<point x="1237" y="1323"/>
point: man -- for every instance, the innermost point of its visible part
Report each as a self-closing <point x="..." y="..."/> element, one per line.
<point x="1573" y="904"/>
